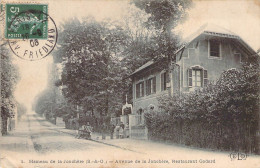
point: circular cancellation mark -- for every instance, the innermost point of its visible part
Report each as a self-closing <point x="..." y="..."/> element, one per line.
<point x="33" y="49"/>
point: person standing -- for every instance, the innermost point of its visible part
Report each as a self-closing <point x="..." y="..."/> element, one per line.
<point x="103" y="131"/>
<point x="127" y="130"/>
<point x="112" y="129"/>
<point x="117" y="130"/>
<point x="89" y="130"/>
<point x="121" y="130"/>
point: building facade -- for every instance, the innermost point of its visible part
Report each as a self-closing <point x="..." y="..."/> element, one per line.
<point x="201" y="60"/>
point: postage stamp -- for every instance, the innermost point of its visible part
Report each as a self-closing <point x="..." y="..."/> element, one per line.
<point x="30" y="31"/>
<point x="26" y="21"/>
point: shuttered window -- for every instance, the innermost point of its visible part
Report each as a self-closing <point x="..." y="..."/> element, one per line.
<point x="163" y="81"/>
<point x="137" y="90"/>
<point x="140" y="89"/>
<point x="150" y="86"/>
<point x="197" y="77"/>
<point x="154" y="85"/>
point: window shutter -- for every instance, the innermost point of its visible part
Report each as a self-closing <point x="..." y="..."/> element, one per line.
<point x="166" y="79"/>
<point x="154" y="84"/>
<point x="162" y="81"/>
<point x="190" y="77"/>
<point x="137" y="90"/>
<point x="205" y="77"/>
<point x="147" y="87"/>
<point x="142" y="88"/>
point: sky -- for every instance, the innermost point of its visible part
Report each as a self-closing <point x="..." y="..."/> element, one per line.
<point x="240" y="17"/>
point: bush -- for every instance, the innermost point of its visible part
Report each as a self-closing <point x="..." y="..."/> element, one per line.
<point x="221" y="116"/>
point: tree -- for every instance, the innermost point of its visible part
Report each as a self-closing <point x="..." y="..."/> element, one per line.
<point x="92" y="75"/>
<point x="164" y="16"/>
<point x="139" y="45"/>
<point x="9" y="78"/>
<point x="138" y="48"/>
<point x="45" y="103"/>
<point x="21" y="110"/>
<point x="50" y="101"/>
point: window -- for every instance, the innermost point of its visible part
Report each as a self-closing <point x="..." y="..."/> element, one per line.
<point x="243" y="58"/>
<point x="151" y="86"/>
<point x="140" y="89"/>
<point x="197" y="77"/>
<point x="214" y="48"/>
<point x="237" y="57"/>
<point x="164" y="77"/>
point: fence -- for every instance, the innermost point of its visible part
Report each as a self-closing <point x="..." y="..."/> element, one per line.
<point x="233" y="137"/>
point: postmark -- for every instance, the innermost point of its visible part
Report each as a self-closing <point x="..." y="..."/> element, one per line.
<point x="37" y="40"/>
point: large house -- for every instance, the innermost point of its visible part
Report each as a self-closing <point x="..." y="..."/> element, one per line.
<point x="202" y="59"/>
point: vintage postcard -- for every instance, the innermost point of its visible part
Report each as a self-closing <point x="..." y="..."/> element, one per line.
<point x="130" y="84"/>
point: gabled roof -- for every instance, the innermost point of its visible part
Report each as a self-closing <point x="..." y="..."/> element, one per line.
<point x="210" y="29"/>
<point x="214" y="30"/>
<point x="206" y="29"/>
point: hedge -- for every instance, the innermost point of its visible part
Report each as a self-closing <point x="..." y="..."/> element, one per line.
<point x="223" y="116"/>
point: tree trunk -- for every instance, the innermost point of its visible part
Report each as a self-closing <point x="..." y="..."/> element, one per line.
<point x="107" y="103"/>
<point x="1" y="122"/>
<point x="4" y="126"/>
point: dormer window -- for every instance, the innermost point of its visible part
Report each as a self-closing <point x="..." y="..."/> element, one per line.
<point x="214" y="48"/>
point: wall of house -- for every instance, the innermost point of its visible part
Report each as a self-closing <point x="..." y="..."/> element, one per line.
<point x="146" y="100"/>
<point x="197" y="53"/>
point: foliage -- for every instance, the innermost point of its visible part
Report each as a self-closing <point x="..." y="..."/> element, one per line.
<point x="139" y="46"/>
<point x="98" y="58"/>
<point x="164" y="15"/>
<point x="222" y="116"/>
<point x="9" y="78"/>
<point x="21" y="110"/>
<point x="45" y="104"/>
<point x="92" y="73"/>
